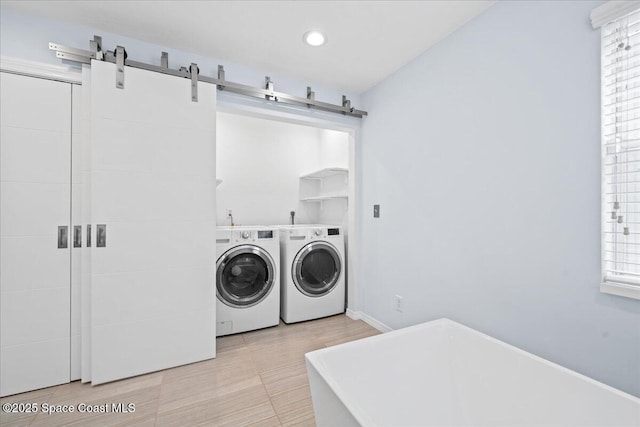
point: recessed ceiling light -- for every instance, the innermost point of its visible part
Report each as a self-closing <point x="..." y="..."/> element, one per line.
<point x="314" y="38"/>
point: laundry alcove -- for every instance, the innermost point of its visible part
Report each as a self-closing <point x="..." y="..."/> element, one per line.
<point x="271" y="164"/>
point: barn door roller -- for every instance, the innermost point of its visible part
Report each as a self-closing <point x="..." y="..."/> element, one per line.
<point x="194" y="71"/>
<point x="121" y="56"/>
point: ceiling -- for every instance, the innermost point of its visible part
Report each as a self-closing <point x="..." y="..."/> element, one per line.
<point x="367" y="40"/>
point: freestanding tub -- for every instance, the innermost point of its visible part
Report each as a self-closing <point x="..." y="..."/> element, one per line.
<point x="441" y="373"/>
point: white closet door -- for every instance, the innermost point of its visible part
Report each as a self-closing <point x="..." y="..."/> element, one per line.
<point x="153" y="185"/>
<point x="35" y="197"/>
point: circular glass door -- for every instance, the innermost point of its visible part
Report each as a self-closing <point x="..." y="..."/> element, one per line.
<point x="316" y="269"/>
<point x="244" y="276"/>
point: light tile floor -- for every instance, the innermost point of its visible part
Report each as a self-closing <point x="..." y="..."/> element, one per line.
<point x="257" y="379"/>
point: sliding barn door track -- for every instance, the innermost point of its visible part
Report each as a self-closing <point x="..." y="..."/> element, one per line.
<point x="119" y="57"/>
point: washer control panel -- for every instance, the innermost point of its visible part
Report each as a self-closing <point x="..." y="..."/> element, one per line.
<point x="312" y="232"/>
<point x="245" y="235"/>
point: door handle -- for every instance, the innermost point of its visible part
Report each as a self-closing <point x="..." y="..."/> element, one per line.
<point x="63" y="237"/>
<point x="101" y="235"/>
<point x="77" y="236"/>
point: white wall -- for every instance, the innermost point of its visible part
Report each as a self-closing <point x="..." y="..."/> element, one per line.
<point x="335" y="148"/>
<point x="260" y="163"/>
<point x="484" y="154"/>
<point x="335" y="153"/>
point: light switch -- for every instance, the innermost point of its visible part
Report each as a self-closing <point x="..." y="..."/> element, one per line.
<point x="376" y="211"/>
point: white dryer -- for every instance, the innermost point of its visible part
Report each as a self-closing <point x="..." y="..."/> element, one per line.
<point x="312" y="272"/>
<point x="247" y="278"/>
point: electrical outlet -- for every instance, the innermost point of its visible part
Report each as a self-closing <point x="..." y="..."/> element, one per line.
<point x="399" y="303"/>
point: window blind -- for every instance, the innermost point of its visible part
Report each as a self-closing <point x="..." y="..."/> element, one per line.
<point x="621" y="150"/>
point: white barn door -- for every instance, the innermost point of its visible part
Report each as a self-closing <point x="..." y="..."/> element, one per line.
<point x="153" y="188"/>
<point x="35" y="233"/>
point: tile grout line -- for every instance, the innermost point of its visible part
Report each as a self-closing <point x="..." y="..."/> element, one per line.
<point x="49" y="397"/>
<point x="255" y="367"/>
<point x="155" y="420"/>
<point x="269" y="397"/>
<point x="306" y="329"/>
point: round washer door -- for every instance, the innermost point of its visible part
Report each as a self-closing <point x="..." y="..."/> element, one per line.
<point x="244" y="276"/>
<point x="316" y="269"/>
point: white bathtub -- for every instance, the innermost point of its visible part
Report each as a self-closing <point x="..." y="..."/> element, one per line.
<point x="441" y="373"/>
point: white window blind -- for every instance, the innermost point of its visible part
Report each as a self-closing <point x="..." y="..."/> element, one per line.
<point x="621" y="152"/>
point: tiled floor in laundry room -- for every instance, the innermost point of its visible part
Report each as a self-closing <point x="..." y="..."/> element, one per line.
<point x="258" y="378"/>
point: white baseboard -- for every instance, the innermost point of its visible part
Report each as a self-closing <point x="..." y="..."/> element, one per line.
<point x="359" y="315"/>
<point x="355" y="315"/>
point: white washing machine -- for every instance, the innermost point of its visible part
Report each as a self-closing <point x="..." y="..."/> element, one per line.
<point x="247" y="278"/>
<point x="312" y="272"/>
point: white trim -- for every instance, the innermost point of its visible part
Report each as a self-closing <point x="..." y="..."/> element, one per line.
<point x="44" y="71"/>
<point x="623" y="279"/>
<point x="620" y="289"/>
<point x="355" y="315"/>
<point x="359" y="315"/>
<point x="620" y="285"/>
<point x="612" y="10"/>
<point x="233" y="103"/>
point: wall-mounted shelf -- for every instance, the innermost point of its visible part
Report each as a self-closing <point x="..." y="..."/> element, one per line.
<point x="325" y="173"/>
<point x="323" y="191"/>
<point x="323" y="197"/>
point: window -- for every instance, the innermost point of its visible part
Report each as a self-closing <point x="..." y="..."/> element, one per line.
<point x="621" y="156"/>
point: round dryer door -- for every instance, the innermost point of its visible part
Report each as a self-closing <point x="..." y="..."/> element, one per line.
<point x="244" y="276"/>
<point x="316" y="269"/>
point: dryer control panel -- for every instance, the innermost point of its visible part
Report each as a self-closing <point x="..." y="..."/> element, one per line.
<point x="324" y="233"/>
<point x="311" y="232"/>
